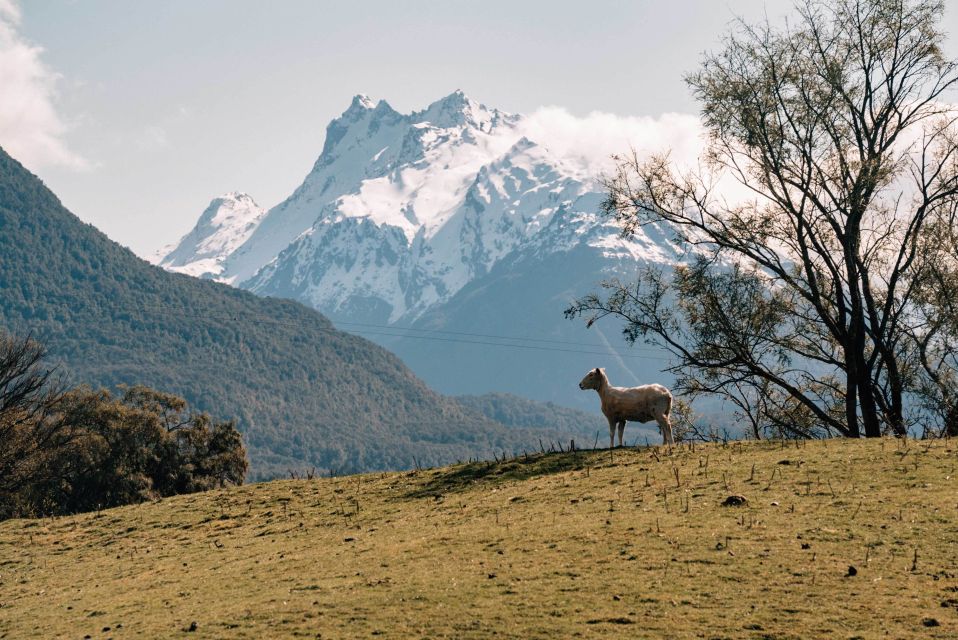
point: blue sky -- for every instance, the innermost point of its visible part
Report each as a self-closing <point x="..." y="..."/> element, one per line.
<point x="138" y="113"/>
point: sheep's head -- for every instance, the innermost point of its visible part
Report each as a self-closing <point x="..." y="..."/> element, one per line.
<point x="593" y="379"/>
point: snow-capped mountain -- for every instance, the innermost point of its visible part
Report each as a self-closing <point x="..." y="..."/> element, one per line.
<point x="410" y="219"/>
<point x="225" y="225"/>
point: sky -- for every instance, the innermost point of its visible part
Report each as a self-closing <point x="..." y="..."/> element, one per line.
<point x="137" y="114"/>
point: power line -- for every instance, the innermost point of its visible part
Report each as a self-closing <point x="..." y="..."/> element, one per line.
<point x="475" y="335"/>
<point x="364" y="332"/>
<point x="394" y="328"/>
<point x="514" y="346"/>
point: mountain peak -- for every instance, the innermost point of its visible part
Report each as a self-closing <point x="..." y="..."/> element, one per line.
<point x="455" y="100"/>
<point x="234" y="196"/>
<point x="364" y="101"/>
<point x="361" y="103"/>
<point x="225" y="224"/>
<point x="384" y="107"/>
<point x="458" y="109"/>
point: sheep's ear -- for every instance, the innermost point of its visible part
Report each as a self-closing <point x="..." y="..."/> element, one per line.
<point x="597" y="369"/>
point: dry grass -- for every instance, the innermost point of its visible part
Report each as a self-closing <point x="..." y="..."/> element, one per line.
<point x="560" y="545"/>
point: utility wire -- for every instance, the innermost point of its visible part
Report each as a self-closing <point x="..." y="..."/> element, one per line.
<point x="394" y="328"/>
<point x="500" y="344"/>
<point x="390" y="332"/>
<point x="474" y="335"/>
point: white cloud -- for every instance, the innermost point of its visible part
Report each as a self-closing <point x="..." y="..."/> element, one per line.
<point x="31" y="129"/>
<point x="10" y="11"/>
<point x="589" y="142"/>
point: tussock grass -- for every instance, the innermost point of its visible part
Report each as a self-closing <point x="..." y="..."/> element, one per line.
<point x="545" y="546"/>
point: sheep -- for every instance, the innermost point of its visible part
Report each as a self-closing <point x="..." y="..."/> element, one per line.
<point x="638" y="404"/>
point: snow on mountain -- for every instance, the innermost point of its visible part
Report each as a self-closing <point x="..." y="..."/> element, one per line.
<point x="406" y="216"/>
<point x="225" y="225"/>
<point x="457" y="179"/>
<point x="405" y="171"/>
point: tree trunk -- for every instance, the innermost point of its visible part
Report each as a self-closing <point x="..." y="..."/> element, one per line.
<point x="866" y="398"/>
<point x="855" y="358"/>
<point x="851" y="400"/>
<point x="896" y="417"/>
<point x="951" y="422"/>
<point x="866" y="390"/>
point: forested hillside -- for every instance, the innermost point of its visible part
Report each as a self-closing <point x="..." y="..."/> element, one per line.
<point x="303" y="393"/>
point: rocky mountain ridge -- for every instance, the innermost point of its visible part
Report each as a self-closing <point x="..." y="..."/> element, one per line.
<point x="405" y="219"/>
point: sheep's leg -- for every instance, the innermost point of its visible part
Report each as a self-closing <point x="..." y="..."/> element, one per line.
<point x="621" y="432"/>
<point x="611" y="433"/>
<point x="666" y="427"/>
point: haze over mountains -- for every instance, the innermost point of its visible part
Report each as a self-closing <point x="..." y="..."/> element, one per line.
<point x="303" y="393"/>
<point x="450" y="236"/>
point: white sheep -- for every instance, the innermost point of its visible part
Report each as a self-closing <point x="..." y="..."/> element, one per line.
<point x="637" y="404"/>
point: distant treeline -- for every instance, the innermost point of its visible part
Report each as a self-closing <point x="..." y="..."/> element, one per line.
<point x="516" y="411"/>
<point x="79" y="449"/>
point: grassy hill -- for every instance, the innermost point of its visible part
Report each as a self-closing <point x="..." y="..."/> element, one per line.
<point x="303" y="393"/>
<point x="588" y="545"/>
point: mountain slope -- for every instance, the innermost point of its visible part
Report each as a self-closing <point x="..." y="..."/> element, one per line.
<point x="450" y="220"/>
<point x="304" y="393"/>
<point x="402" y="209"/>
<point x="225" y="225"/>
<point x="524" y="296"/>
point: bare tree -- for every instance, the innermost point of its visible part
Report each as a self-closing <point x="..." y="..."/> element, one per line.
<point x="805" y="290"/>
<point x="934" y="328"/>
<point x="29" y="428"/>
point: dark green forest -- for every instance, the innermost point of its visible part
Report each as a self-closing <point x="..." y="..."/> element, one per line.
<point x="302" y="393"/>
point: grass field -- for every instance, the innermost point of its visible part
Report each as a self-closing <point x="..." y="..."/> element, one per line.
<point x="549" y="546"/>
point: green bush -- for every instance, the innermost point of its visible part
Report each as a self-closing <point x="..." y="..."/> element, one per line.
<point x="141" y="445"/>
